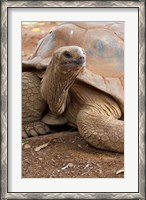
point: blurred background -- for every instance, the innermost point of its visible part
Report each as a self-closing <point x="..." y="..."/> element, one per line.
<point x="32" y="32"/>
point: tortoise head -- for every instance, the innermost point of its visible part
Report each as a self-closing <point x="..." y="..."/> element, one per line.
<point x="69" y="59"/>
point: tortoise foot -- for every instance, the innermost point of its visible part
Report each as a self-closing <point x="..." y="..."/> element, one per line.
<point x="101" y="131"/>
<point x="34" y="129"/>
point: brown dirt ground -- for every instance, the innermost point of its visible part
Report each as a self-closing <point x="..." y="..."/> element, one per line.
<point x="63" y="154"/>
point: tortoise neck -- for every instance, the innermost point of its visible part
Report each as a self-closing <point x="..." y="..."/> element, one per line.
<point x="55" y="86"/>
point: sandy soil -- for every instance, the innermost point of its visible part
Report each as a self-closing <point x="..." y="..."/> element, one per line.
<point x="62" y="154"/>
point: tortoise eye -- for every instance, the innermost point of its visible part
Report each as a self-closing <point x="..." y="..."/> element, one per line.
<point x="67" y="54"/>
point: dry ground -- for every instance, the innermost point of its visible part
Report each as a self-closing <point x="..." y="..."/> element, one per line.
<point x="62" y="154"/>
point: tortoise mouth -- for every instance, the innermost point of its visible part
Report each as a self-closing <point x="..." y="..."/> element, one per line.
<point x="77" y="63"/>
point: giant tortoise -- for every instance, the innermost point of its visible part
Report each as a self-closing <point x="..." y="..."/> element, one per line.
<point x="76" y="75"/>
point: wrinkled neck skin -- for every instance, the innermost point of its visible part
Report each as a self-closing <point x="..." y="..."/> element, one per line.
<point x="55" y="86"/>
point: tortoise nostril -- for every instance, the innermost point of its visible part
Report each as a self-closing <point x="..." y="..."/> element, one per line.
<point x="82" y="58"/>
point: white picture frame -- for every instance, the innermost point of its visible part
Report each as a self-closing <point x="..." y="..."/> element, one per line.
<point x="6" y="115"/>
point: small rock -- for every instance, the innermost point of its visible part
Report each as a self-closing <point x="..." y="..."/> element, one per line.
<point x="41" y="146"/>
<point x="40" y="159"/>
<point x="70" y="165"/>
<point x="26" y="146"/>
<point x="120" y="171"/>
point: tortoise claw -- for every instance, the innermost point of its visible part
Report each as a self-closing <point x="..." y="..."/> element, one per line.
<point x="24" y="135"/>
<point x="34" y="129"/>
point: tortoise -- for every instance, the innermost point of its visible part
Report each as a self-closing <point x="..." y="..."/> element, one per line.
<point x="76" y="75"/>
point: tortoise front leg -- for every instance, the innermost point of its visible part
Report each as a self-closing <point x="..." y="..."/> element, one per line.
<point x="32" y="106"/>
<point x="103" y="132"/>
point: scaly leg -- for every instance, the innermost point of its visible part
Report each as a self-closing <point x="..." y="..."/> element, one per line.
<point x="103" y="132"/>
<point x="32" y="106"/>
